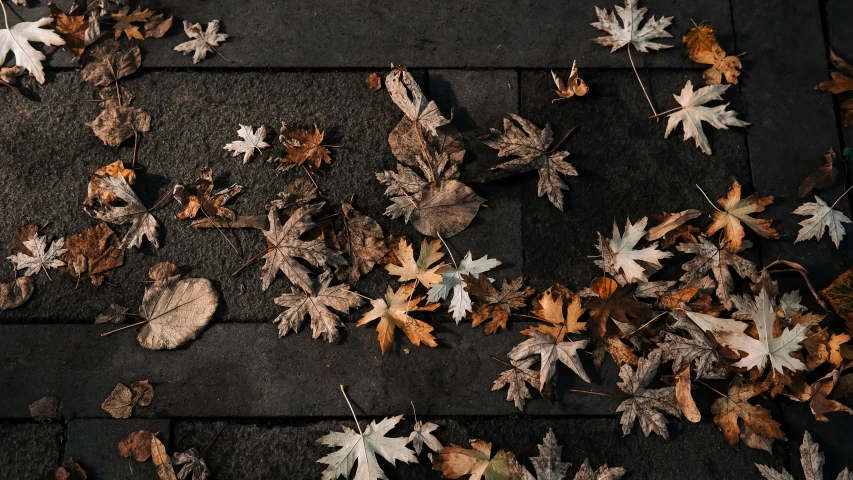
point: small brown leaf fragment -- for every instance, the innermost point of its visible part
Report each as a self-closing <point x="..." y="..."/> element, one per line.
<point x="46" y="409"/>
<point x="304" y="145"/>
<point x="363" y="242"/>
<point x="737" y="210"/>
<point x="574" y="86"/>
<point x="670" y="222"/>
<point x="753" y="440"/>
<point x="373" y="82"/>
<point x="96" y="251"/>
<point x="161" y="460"/>
<point x="297" y="193"/>
<point x="137" y="445"/>
<point x="9" y="75"/>
<point x="702" y="47"/>
<point x="110" y="96"/>
<point x="201" y="197"/>
<point x="110" y="62"/>
<point x="820" y="178"/>
<point x="455" y="461"/>
<point x="69" y="470"/>
<point x="22" y="235"/>
<point x="157" y="26"/>
<point x="16" y="293"/>
<point x="495" y="306"/>
<point x="124" y="20"/>
<point x="115" y="124"/>
<point x="71" y="27"/>
<point x="841" y="80"/>
<point x="840" y="297"/>
<point x="736" y="405"/>
<point x="683" y="395"/>
<point x="162" y="272"/>
<point x="115" y="313"/>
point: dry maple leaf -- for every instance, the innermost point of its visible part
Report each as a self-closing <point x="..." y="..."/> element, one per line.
<point x="297" y="193"/>
<point x="841" y="81"/>
<point x="736" y="211"/>
<point x="548" y="465"/>
<point x="455" y="461"/>
<point x="424" y="270"/>
<point x="574" y="85"/>
<point x="717" y="260"/>
<point x="175" y="309"/>
<point x="549" y="307"/>
<point x="728" y="409"/>
<point x="422" y="435"/>
<point x="71" y="27"/>
<point x="406" y="93"/>
<point x="693" y="112"/>
<point x="110" y="62"/>
<point x="46" y="409"/>
<point x="16" y="293"/>
<point x="96" y="193"/>
<point x="117" y="123"/>
<point x="495" y="306"/>
<point x="529" y="144"/>
<point x="210" y="203"/>
<point x="698" y="350"/>
<point x="130" y="210"/>
<point x="840" y="297"/>
<point x="194" y="467"/>
<point x="362" y="240"/>
<point x="702" y="47"/>
<point x="70" y="470"/>
<point x="303" y="145"/>
<point x="252" y="140"/>
<point x="616" y="302"/>
<point x="452" y="282"/>
<point x="202" y="41"/>
<point x="17" y="40"/>
<point x="363" y="447"/>
<point x="316" y="304"/>
<point x="517" y="378"/>
<point x="621" y="260"/>
<point x="284" y="246"/>
<point x="137" y="445"/>
<point x="821" y="217"/>
<point x="823" y="177"/>
<point x="631" y="33"/>
<point x="95" y="252"/>
<point x="811" y="460"/>
<point x="549" y="351"/>
<point x="120" y="402"/>
<point x="39" y="256"/>
<point x="393" y="310"/>
<point x="646" y="405"/>
<point x="124" y="20"/>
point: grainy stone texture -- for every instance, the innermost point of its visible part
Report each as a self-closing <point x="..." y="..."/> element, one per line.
<point x="93" y="443"/>
<point x="840" y="37"/>
<point x="28" y="450"/>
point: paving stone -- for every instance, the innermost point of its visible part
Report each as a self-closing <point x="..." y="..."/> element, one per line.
<point x="793" y="125"/>
<point x="626" y="168"/>
<point x="439" y="34"/>
<point x="247" y="370"/>
<point x="831" y="435"/>
<point x="28" y="450"/>
<point x="93" y="443"/>
<point x="251" y="449"/>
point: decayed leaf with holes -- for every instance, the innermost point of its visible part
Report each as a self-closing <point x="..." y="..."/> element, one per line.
<point x="71" y="27"/>
<point x="316" y="303"/>
<point x="717" y="260"/>
<point x="631" y="33"/>
<point x="116" y="123"/>
<point x="46" y="409"/>
<point x="363" y="242"/>
<point x="693" y="112"/>
<point x="517" y="378"/>
<point x="811" y="460"/>
<point x="702" y="47"/>
<point x="253" y="140"/>
<point x="452" y="282"/>
<point x="646" y="405"/>
<point x="620" y="259"/>
<point x="95" y="252"/>
<point x="111" y="62"/>
<point x="424" y="270"/>
<point x="549" y="307"/>
<point x="17" y="40"/>
<point x="363" y="447"/>
<point x="120" y="402"/>
<point x="304" y="146"/>
<point x="373" y="82"/>
<point x="549" y="351"/>
<point x="176" y="310"/>
<point x="616" y="302"/>
<point x="737" y="211"/>
<point x="495" y="306"/>
<point x="194" y="467"/>
<point x="202" y="41"/>
<point x="285" y="246"/>
<point x="129" y="210"/>
<point x="823" y="177"/>
<point x="422" y="435"/>
<point x="201" y="197"/>
<point x="821" y="217"/>
<point x="477" y="461"/>
<point x="548" y="465"/>
<point x="817" y="395"/>
<point x="40" y="255"/>
<point x="16" y="293"/>
<point x="125" y="19"/>
<point x="727" y="410"/>
<point x="393" y="311"/>
<point x="840" y="297"/>
<point x="529" y="145"/>
<point x="137" y="445"/>
<point x="574" y="85"/>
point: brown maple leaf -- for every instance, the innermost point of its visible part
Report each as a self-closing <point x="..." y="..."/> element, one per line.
<point x="495" y="306"/>
<point x="737" y="210"/>
<point x="297" y="193"/>
<point x="95" y="252"/>
<point x="424" y="270"/>
<point x="393" y="310"/>
<point x="644" y="404"/>
<point x="673" y="226"/>
<point x="823" y="177"/>
<point x="728" y="409"/>
<point x="817" y="395"/>
<point x="71" y="27"/>
<point x="125" y="19"/>
<point x="302" y="145"/>
<point x="574" y="86"/>
<point x="549" y="307"/>
<point x="108" y="63"/>
<point x="841" y="81"/>
<point x="702" y="47"/>
<point x="116" y="123"/>
<point x="362" y="240"/>
<point x="204" y="199"/>
<point x="840" y="297"/>
<point x="717" y="260"/>
<point x="616" y="302"/>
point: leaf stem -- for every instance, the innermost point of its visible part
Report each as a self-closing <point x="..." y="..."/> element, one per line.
<point x="414" y="410"/>
<point x="503" y="362"/>
<point x="711" y="388"/>
<point x="448" y="250"/>
<point x="664" y="113"/>
<point x="708" y="199"/>
<point x="640" y="80"/>
<point x="311" y="177"/>
<point x="600" y="394"/>
<point x="124" y="328"/>
<point x="353" y="411"/>
<point x="135" y="146"/>
<point x="842" y="196"/>
<point x="555" y="147"/>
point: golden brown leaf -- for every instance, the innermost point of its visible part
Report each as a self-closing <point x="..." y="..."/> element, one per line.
<point x="393" y="310"/>
<point x="157" y="26"/>
<point x="361" y="238"/>
<point x="455" y="461"/>
<point x="613" y="301"/>
<point x="549" y="307"/>
<point x="841" y="80"/>
<point x="823" y="177"/>
<point x="671" y="226"/>
<point x="817" y="395"/>
<point x="125" y="19"/>
<point x="495" y="306"/>
<point x="373" y="82"/>
<point x="115" y="124"/>
<point x="683" y="395"/>
<point x="573" y="86"/>
<point x="304" y="145"/>
<point x="137" y="445"/>
<point x="702" y="47"/>
<point x="161" y="460"/>
<point x="71" y="27"/>
<point x="120" y="402"/>
<point x="736" y="405"/>
<point x="95" y="251"/>
<point x="423" y="270"/>
<point x="200" y="196"/>
<point x="737" y="210"/>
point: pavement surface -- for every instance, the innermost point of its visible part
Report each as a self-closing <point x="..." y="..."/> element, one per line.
<point x="263" y="400"/>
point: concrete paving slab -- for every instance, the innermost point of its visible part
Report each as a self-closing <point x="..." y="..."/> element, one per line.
<point x="29" y="450"/>
<point x="93" y="443"/>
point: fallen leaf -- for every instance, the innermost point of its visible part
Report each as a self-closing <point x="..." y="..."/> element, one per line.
<point x="406" y="93"/>
<point x="120" y="402"/>
<point x="15" y="293"/>
<point x="821" y="217"/>
<point x="517" y="378"/>
<point x="194" y="467"/>
<point x="822" y="346"/>
<point x="549" y="307"/>
<point x="98" y="251"/>
<point x="728" y="409"/>
<point x="316" y="304"/>
<point x="363" y="447"/>
<point x="702" y="47"/>
<point x="161" y="460"/>
<point x="362" y="240"/>
<point x="17" y="40"/>
<point x="495" y="306"/>
<point x="840" y="80"/>
<point x="621" y="260"/>
<point x="811" y="460"/>
<point x="70" y="470"/>
<point x="692" y="113"/>
<point x="137" y="445"/>
<point x="422" y="435"/>
<point x="157" y="26"/>
<point x="616" y="302"/>
<point x="717" y="260"/>
<point x="253" y="140"/>
<point x="393" y="310"/>
<point x="424" y="270"/>
<point x="373" y="82"/>
<point x="671" y="222"/>
<point x="176" y="310"/>
<point x="115" y="313"/>
<point x="129" y="210"/>
<point x="817" y="395"/>
<point x="455" y="461"/>
<point x="530" y="147"/>
<point x="71" y="27"/>
<point x="603" y="473"/>
<point x="116" y="123"/>
<point x="645" y="404"/>
<point x="41" y="255"/>
<point x="549" y="351"/>
<point x="111" y="62"/>
<point x="201" y="197"/>
<point x="631" y="33"/>
<point x="737" y="210"/>
<point x="697" y="349"/>
<point x="202" y="41"/>
<point x="683" y="395"/>
<point x="284" y="247"/>
<point x="452" y="282"/>
<point x="823" y="177"/>
<point x="124" y="20"/>
<point x="840" y="297"/>
<point x="96" y="193"/>
<point x="548" y="465"/>
<point x="46" y="409"/>
<point x="574" y="85"/>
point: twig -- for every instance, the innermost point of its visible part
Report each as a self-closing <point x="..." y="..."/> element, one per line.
<point x="414" y="410"/>
<point x="710" y="387"/>
<point x="640" y="80"/>
<point x="124" y="328"/>
<point x="501" y="361"/>
<point x="311" y="177"/>
<point x="221" y="55"/>
<point x="210" y="444"/>
<point x="645" y="324"/>
<point x="249" y="262"/>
